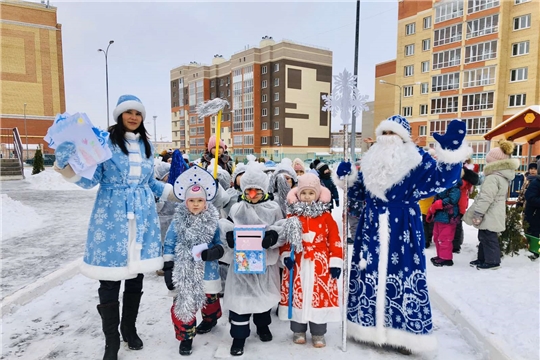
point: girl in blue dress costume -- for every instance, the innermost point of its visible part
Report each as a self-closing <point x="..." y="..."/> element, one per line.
<point x="123" y="235"/>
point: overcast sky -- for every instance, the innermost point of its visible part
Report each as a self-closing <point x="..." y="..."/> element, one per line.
<point x="152" y="38"/>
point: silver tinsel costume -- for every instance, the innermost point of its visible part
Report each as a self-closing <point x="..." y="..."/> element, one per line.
<point x="188" y="274"/>
<point x="292" y="228"/>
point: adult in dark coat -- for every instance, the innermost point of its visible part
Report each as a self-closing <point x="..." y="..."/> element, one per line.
<point x="532" y="207"/>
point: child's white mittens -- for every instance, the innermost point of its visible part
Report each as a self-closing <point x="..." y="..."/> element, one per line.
<point x="197" y="250"/>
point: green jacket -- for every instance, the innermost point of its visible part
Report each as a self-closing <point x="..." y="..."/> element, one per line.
<point x="491" y="201"/>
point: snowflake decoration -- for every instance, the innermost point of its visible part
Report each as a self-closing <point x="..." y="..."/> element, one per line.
<point x="345" y="98"/>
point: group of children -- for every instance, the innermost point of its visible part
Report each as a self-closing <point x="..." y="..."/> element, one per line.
<point x="300" y="237"/>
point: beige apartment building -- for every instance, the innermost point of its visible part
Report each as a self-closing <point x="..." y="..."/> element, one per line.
<point x="274" y="92"/>
<point x="475" y="60"/>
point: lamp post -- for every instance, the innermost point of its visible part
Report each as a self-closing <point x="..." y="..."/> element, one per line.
<point x="25" y="131"/>
<point x="106" y="52"/>
<point x="399" y="86"/>
<point x="155" y="132"/>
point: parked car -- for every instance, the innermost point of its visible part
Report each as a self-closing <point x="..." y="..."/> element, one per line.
<point x="48" y="160"/>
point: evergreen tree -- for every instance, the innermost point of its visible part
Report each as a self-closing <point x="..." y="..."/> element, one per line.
<point x="38" y="162"/>
<point x="513" y="239"/>
<point x="236" y="161"/>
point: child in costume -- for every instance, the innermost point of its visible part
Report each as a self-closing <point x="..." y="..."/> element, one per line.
<point x="318" y="259"/>
<point x="247" y="294"/>
<point x="191" y="252"/>
<point x="282" y="181"/>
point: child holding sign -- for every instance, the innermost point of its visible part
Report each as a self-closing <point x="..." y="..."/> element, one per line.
<point x="318" y="259"/>
<point x="191" y="252"/>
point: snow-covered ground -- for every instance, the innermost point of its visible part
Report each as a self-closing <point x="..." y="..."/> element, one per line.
<point x="44" y="228"/>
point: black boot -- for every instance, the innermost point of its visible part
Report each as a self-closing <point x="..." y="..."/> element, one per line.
<point x="110" y="318"/>
<point x="206" y="326"/>
<point x="264" y="333"/>
<point x="185" y="347"/>
<point x="237" y="347"/>
<point x="130" y="309"/>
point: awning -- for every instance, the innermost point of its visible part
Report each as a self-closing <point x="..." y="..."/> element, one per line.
<point x="524" y="126"/>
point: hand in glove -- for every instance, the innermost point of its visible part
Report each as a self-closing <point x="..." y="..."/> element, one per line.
<point x="214" y="253"/>
<point x="455" y="133"/>
<point x="229" y="236"/>
<point x="336" y="202"/>
<point x="335" y="272"/>
<point x="63" y="153"/>
<point x="288" y="262"/>
<point x="437" y="205"/>
<point x="197" y="250"/>
<point x="167" y="269"/>
<point x="477" y="218"/>
<point x="344" y="168"/>
<point x="270" y="239"/>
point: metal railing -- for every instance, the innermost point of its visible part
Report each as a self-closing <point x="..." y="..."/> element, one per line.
<point x="11" y="146"/>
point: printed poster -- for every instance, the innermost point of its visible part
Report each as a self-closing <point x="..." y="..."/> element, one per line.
<point x="249" y="255"/>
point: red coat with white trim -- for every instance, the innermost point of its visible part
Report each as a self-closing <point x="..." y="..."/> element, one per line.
<point x="315" y="294"/>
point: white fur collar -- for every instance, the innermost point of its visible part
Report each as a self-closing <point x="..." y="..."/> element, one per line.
<point x="131" y="136"/>
<point x="377" y="179"/>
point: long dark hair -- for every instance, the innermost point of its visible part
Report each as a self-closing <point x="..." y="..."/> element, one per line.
<point x="118" y="131"/>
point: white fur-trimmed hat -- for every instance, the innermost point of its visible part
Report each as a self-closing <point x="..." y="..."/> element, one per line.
<point x="254" y="178"/>
<point x="195" y="175"/>
<point x="128" y="102"/>
<point x="397" y="124"/>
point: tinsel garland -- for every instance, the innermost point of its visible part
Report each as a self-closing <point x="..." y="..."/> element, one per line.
<point x="188" y="274"/>
<point x="293" y="227"/>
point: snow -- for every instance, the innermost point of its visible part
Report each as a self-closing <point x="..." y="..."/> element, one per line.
<point x="49" y="310"/>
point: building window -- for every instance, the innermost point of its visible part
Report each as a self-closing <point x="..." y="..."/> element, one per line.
<point x="483" y="26"/>
<point x="408" y="91"/>
<point x="276" y="140"/>
<point x="422" y="129"/>
<point x="444" y="105"/>
<point x="448" y="10"/>
<point x="264" y="113"/>
<point x="410" y="29"/>
<point x="264" y="84"/>
<point x="517" y="100"/>
<point x="276" y="67"/>
<point x="522" y="22"/>
<point x="276" y="96"/>
<point x="193" y="131"/>
<point x="425" y="66"/>
<point x="478" y="126"/>
<point x="426" y="44"/>
<point x="427" y="22"/>
<point x="479" y="101"/>
<point x="212" y="83"/>
<point x="446" y="58"/>
<point x="407" y="111"/>
<point x="424" y="88"/>
<point x="480" y="52"/>
<point x="222" y="94"/>
<point x="220" y="82"/>
<point x="276" y="111"/>
<point x="264" y="69"/>
<point x="479" y="77"/>
<point x="409" y="70"/>
<point x="264" y="98"/>
<point x="248" y="139"/>
<point x="276" y="125"/>
<point x="276" y="82"/>
<point x="438" y="126"/>
<point x="517" y="2"/>
<point x="479" y="5"/>
<point x="212" y="95"/>
<point x="228" y="92"/>
<point x="445" y="82"/>
<point x="447" y="35"/>
<point x="264" y="126"/>
<point x="520" y="74"/>
<point x="520" y="48"/>
<point x="423" y="110"/>
<point x="238" y="139"/>
<point x="264" y="140"/>
<point x="409" y="50"/>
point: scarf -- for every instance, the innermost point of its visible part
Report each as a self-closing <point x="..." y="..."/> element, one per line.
<point x="293" y="227"/>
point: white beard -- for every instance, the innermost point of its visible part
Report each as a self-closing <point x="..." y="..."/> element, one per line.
<point x="388" y="162"/>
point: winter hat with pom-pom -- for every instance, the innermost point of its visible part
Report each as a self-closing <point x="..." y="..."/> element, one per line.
<point x="128" y="102"/>
<point x="178" y="166"/>
<point x="298" y="165"/>
<point x="254" y="178"/>
<point x="309" y="181"/>
<point x="503" y="152"/>
<point x="212" y="143"/>
<point x="398" y="125"/>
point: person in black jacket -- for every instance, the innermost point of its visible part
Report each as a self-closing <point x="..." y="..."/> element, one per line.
<point x="325" y="174"/>
<point x="532" y="208"/>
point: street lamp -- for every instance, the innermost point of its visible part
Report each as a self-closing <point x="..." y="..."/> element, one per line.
<point x="25" y="131"/>
<point x="106" y="52"/>
<point x="399" y="86"/>
<point x="155" y="132"/>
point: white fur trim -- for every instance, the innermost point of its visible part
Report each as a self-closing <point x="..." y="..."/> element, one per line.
<point x="121" y="273"/>
<point x="168" y="257"/>
<point x="336" y="262"/>
<point x="453" y="156"/>
<point x="351" y="178"/>
<point x="384" y="240"/>
<point x="212" y="286"/>
<point x="167" y="189"/>
<point x="413" y="342"/>
<point x="128" y="105"/>
<point x="363" y="264"/>
<point x="388" y="125"/>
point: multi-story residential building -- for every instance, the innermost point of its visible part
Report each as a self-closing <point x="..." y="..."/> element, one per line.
<point x="476" y="60"/>
<point x="274" y="92"/>
<point x="32" y="71"/>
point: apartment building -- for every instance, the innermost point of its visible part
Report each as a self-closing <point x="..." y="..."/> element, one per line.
<point x="32" y="71"/>
<point x="476" y="60"/>
<point x="274" y="92"/>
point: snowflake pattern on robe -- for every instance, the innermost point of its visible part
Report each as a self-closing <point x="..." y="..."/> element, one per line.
<point x="397" y="269"/>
